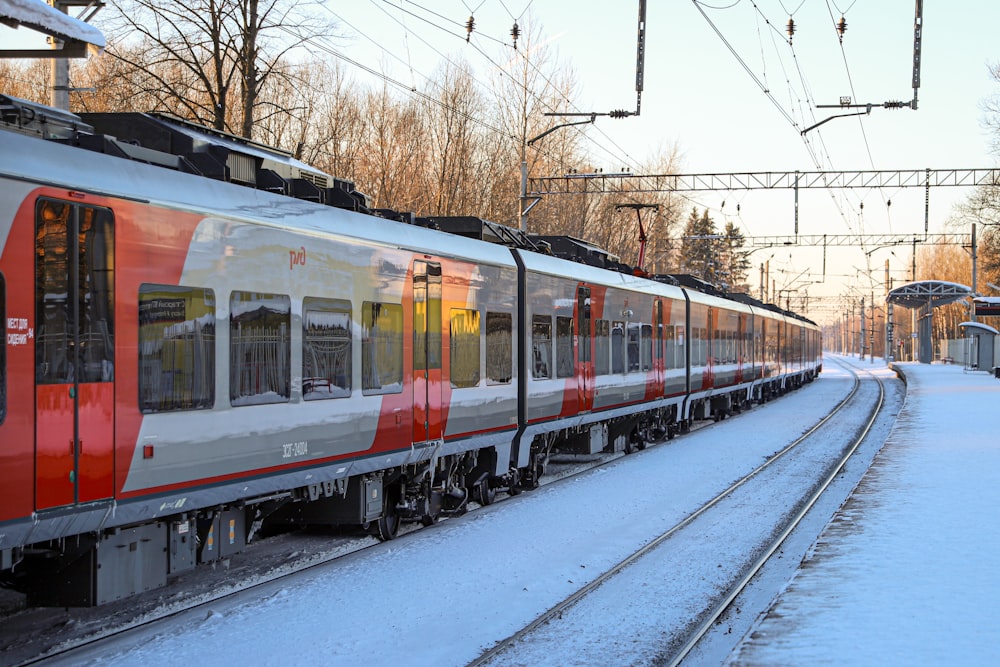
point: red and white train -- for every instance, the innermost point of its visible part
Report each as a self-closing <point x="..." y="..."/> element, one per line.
<point x="204" y="337"/>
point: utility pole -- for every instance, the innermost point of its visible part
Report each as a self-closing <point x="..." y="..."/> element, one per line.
<point x="524" y="205"/>
<point x="59" y="67"/>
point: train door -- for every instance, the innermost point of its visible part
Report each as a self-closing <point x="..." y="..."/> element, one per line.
<point x="584" y="356"/>
<point x="659" y="370"/>
<point x="74" y="353"/>
<point x="426" y="351"/>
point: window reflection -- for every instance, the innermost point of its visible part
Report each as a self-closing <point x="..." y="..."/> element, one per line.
<point x="259" y="348"/>
<point x="326" y="349"/>
<point x="176" y="348"/>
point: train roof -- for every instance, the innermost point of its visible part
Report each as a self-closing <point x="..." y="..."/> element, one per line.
<point x="188" y="149"/>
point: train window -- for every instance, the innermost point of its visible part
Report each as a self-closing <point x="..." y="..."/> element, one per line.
<point x="618" y="347"/>
<point x="499" y="348"/>
<point x="260" y="348"/>
<point x="541" y="346"/>
<point x="697" y="342"/>
<point x="326" y="348"/>
<point x="464" y="348"/>
<point x="381" y="348"/>
<point x="74" y="282"/>
<point x="633" y="346"/>
<point x="564" y="347"/>
<point x="3" y="348"/>
<point x="670" y="359"/>
<point x="646" y="351"/>
<point x="602" y="345"/>
<point x="176" y="348"/>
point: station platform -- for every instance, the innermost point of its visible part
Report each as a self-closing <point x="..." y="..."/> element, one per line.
<point x="906" y="573"/>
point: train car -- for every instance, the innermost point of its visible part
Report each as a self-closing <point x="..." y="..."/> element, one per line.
<point x="206" y="338"/>
<point x="603" y="370"/>
<point x="236" y="349"/>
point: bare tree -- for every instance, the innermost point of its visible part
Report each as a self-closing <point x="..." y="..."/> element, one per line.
<point x="454" y="139"/>
<point x="531" y="84"/>
<point x="391" y="153"/>
<point x="25" y="79"/>
<point x="210" y="60"/>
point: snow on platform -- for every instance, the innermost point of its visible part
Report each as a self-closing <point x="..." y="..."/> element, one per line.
<point x="907" y="571"/>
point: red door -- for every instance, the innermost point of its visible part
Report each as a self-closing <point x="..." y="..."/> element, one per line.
<point x="74" y="353"/>
<point x="426" y="351"/>
<point x="584" y="354"/>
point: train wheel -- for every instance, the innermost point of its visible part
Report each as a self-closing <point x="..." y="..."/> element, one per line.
<point x="638" y="441"/>
<point x="387" y="526"/>
<point x="483" y="493"/>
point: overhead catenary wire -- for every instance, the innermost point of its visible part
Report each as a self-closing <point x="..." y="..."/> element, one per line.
<point x="616" y="157"/>
<point x="412" y="90"/>
<point x="473" y="43"/>
<point x="815" y="145"/>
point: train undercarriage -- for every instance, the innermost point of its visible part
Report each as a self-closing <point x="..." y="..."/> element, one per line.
<point x="100" y="567"/>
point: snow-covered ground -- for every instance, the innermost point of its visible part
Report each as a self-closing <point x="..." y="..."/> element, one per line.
<point x="442" y="596"/>
<point x="902" y="575"/>
<point x="907" y="572"/>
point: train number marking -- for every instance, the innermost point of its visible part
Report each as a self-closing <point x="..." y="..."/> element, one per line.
<point x="296" y="257"/>
<point x="18" y="331"/>
<point x="294" y="449"/>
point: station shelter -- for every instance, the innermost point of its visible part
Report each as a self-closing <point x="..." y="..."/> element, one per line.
<point x="924" y="296"/>
<point x="979" y="342"/>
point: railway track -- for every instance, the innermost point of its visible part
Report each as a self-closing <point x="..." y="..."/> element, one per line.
<point x="89" y="642"/>
<point x="662" y="553"/>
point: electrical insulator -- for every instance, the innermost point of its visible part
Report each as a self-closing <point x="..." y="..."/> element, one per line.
<point x="470" y="25"/>
<point x="791" y="29"/>
<point x="515" y="32"/>
<point x="841" y="28"/>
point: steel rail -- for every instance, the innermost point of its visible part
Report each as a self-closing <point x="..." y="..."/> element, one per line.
<point x="558" y="609"/>
<point x="709" y="620"/>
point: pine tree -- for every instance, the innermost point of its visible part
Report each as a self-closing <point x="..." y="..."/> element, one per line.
<point x="700" y="247"/>
<point x="735" y="260"/>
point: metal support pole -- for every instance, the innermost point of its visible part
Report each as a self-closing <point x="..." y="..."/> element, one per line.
<point x="871" y="334"/>
<point x="522" y="207"/>
<point x="974" y="276"/>
<point x="796" y="204"/>
<point x="862" y="332"/>
<point x="927" y="195"/>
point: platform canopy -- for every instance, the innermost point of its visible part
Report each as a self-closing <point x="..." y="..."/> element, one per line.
<point x="78" y="37"/>
<point x="928" y="292"/>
